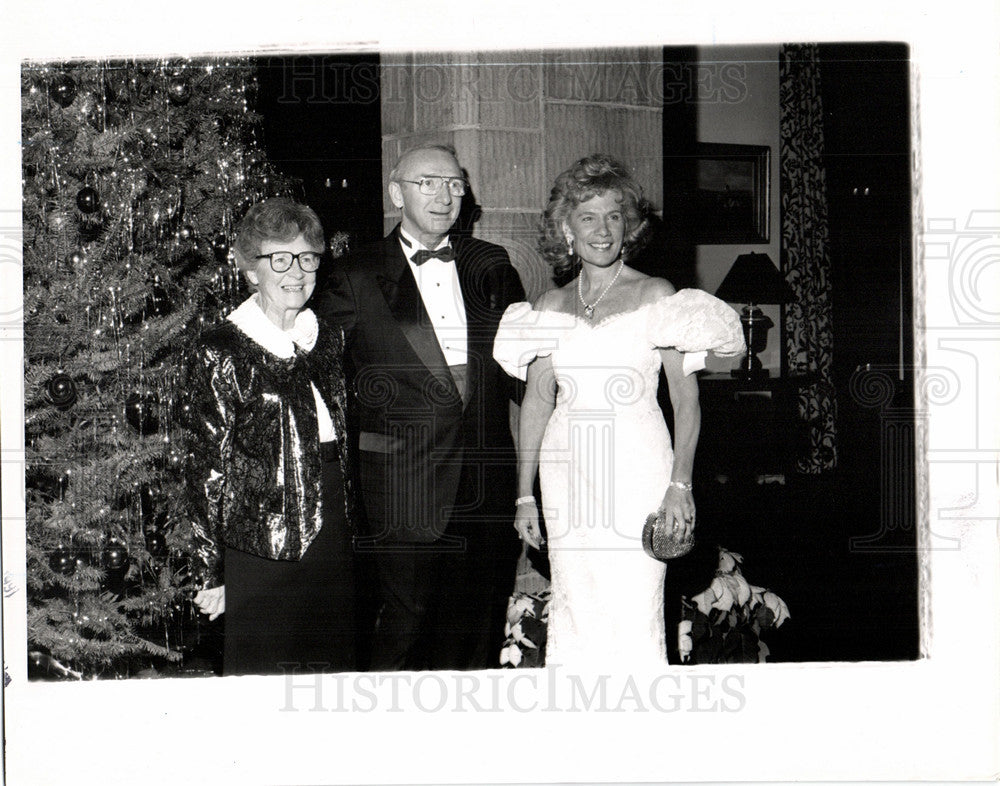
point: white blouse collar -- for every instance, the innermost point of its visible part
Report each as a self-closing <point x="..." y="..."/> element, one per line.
<point x="252" y="321"/>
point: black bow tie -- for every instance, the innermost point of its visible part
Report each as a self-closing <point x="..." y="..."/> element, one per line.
<point x="445" y="254"/>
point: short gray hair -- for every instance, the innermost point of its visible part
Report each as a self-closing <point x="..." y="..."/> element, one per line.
<point x="440" y="147"/>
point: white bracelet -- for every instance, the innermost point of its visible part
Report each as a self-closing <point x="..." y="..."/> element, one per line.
<point x="680" y="484"/>
<point x="524" y="500"/>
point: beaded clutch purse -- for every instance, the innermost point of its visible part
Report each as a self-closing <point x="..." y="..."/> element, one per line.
<point x="661" y="541"/>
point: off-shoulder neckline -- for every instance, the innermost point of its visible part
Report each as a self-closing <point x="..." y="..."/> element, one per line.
<point x="600" y="323"/>
<point x="576" y="318"/>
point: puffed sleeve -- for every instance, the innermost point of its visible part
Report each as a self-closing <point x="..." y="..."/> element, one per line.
<point x="694" y="322"/>
<point x="525" y="334"/>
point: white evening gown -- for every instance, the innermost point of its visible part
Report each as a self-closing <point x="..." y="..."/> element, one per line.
<point x="605" y="463"/>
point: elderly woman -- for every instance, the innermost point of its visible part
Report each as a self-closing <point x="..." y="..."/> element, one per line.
<point x="266" y="407"/>
<point x="591" y="352"/>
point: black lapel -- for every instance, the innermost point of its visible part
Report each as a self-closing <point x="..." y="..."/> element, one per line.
<point x="404" y="301"/>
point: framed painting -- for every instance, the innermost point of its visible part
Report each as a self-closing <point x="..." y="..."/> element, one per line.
<point x="718" y="193"/>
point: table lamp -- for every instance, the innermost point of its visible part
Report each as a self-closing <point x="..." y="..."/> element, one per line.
<point x="753" y="279"/>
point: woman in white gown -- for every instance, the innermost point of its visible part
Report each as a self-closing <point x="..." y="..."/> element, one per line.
<point x="590" y="426"/>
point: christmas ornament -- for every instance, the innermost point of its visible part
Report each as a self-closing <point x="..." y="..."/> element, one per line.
<point x="83" y="558"/>
<point x="77" y="258"/>
<point x="178" y="91"/>
<point x="220" y="246"/>
<point x="185" y="233"/>
<point x="61" y="391"/>
<point x="141" y="412"/>
<point x="87" y="200"/>
<point x="62" y="90"/>
<point x="62" y="561"/>
<point x="115" y="555"/>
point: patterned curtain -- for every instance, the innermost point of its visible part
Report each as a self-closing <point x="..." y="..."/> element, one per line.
<point x="805" y="237"/>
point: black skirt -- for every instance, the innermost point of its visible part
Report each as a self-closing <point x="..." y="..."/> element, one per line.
<point x="294" y="617"/>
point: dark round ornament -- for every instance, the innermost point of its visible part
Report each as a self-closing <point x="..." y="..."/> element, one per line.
<point x="156" y="544"/>
<point x="185" y="233"/>
<point x="83" y="558"/>
<point x="141" y="412"/>
<point x="61" y="391"/>
<point x="77" y="258"/>
<point x="87" y="200"/>
<point x="178" y="90"/>
<point x="62" y="561"/>
<point x="220" y="247"/>
<point x="62" y="90"/>
<point x="114" y="556"/>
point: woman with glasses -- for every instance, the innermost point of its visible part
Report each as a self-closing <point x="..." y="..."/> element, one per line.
<point x="266" y="405"/>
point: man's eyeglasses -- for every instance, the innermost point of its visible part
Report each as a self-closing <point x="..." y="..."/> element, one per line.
<point x="281" y="261"/>
<point x="432" y="185"/>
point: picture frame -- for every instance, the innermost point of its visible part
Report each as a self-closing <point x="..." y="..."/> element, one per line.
<point x="718" y="193"/>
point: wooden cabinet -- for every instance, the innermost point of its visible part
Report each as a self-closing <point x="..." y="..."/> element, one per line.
<point x="750" y="429"/>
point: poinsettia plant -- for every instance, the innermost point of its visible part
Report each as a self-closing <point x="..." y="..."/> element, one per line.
<point x="527" y="623"/>
<point x="724" y="623"/>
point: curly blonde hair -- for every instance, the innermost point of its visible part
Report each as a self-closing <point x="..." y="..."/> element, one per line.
<point x="591" y="176"/>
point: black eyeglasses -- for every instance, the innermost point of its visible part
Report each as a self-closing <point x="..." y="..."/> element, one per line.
<point x="432" y="184"/>
<point x="281" y="261"/>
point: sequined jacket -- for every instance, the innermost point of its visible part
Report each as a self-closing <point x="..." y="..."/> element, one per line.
<point x="255" y="474"/>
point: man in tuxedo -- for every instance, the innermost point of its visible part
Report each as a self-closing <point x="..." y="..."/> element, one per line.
<point x="436" y="466"/>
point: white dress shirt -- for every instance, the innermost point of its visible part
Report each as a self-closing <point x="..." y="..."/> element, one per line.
<point x="439" y="289"/>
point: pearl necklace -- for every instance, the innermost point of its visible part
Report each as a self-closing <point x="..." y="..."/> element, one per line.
<point x="588" y="310"/>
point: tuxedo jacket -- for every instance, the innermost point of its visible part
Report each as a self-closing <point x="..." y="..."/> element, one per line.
<point x="426" y="456"/>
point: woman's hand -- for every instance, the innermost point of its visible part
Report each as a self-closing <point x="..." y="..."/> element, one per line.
<point x="678" y="505"/>
<point x="211" y="601"/>
<point x="526" y="524"/>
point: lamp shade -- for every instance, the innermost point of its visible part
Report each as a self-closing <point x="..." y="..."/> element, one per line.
<point x="753" y="278"/>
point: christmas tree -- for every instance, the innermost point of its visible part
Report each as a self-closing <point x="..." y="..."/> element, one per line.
<point x="134" y="175"/>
